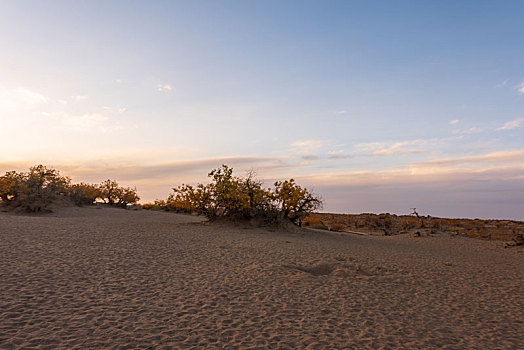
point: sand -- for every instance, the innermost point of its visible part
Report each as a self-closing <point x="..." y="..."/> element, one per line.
<point x="110" y="278"/>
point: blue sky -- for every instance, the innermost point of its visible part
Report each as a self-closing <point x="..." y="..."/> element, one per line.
<point x="379" y="106"/>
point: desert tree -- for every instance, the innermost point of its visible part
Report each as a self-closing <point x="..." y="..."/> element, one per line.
<point x="34" y="190"/>
<point x="84" y="193"/>
<point x="293" y="201"/>
<point x="126" y="195"/>
<point x="108" y="191"/>
<point x="41" y="186"/>
<point x="113" y="194"/>
<point x="229" y="196"/>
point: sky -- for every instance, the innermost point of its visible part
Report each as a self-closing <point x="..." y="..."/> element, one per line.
<point x="377" y="106"/>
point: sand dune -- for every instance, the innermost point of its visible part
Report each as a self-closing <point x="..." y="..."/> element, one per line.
<point x="110" y="278"/>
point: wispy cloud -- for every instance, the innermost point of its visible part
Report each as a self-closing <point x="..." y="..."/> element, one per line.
<point x="397" y="149"/>
<point x="445" y="190"/>
<point x="520" y="88"/>
<point x="380" y="149"/>
<point x="500" y="157"/>
<point x="115" y="109"/>
<point x="79" y="97"/>
<point x="309" y="157"/>
<point x="502" y="83"/>
<point x="29" y="96"/>
<point x="307" y="146"/>
<point x="472" y="130"/>
<point x="14" y="99"/>
<point x="370" y="146"/>
<point x="513" y="124"/>
<point x="454" y="121"/>
<point x="342" y="111"/>
<point x="469" y="131"/>
<point x="82" y="122"/>
<point x="503" y="164"/>
<point x="164" y="87"/>
<point x="338" y="155"/>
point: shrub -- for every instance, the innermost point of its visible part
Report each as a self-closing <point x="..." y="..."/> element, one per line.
<point x="187" y="198"/>
<point x="108" y="191"/>
<point x="229" y="196"/>
<point x="84" y="194"/>
<point x="148" y="206"/>
<point x="36" y="189"/>
<point x="337" y="227"/>
<point x="11" y="185"/>
<point x="126" y="195"/>
<point x="311" y="220"/>
<point x="293" y="201"/>
<point x="113" y="194"/>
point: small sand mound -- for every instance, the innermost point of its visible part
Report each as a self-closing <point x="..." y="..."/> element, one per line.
<point x="340" y="268"/>
<point x="317" y="270"/>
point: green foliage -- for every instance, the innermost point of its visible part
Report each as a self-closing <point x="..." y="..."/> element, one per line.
<point x="228" y="196"/>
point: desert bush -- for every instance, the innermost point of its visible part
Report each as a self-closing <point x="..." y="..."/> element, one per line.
<point x="186" y="198"/>
<point x="311" y="220"/>
<point x="108" y="191"/>
<point x="157" y="205"/>
<point x="293" y="201"/>
<point x="225" y="190"/>
<point x="112" y="194"/>
<point x="35" y="190"/>
<point x="11" y="185"/>
<point x="160" y="204"/>
<point x="84" y="194"/>
<point x="38" y="188"/>
<point x="226" y="196"/>
<point x="337" y="227"/>
<point x="148" y="206"/>
<point x="126" y="195"/>
<point x="229" y="196"/>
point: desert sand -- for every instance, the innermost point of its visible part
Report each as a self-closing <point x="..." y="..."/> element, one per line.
<point x="89" y="278"/>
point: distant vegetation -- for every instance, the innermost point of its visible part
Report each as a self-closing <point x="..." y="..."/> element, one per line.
<point x="390" y="224"/>
<point x="234" y="197"/>
<point x="40" y="187"/>
<point x="226" y="196"/>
